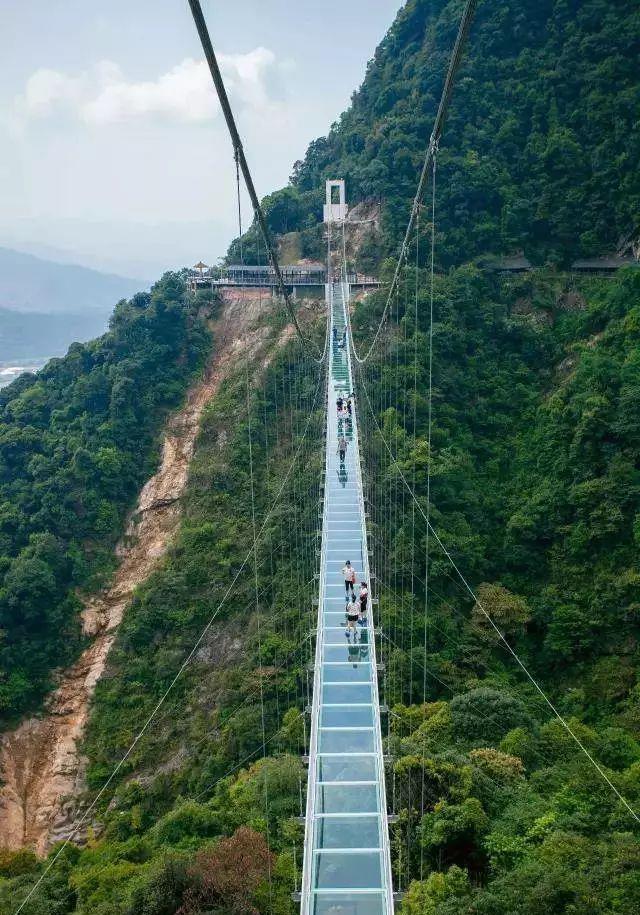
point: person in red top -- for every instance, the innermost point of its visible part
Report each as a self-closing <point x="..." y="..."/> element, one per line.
<point x="364" y="598"/>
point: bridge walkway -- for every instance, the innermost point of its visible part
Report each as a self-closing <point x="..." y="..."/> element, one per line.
<point x="347" y="868"/>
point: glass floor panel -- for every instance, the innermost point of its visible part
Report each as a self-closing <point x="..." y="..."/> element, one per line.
<point x="347" y="673"/>
<point x="333" y="618"/>
<point x="350" y="549"/>
<point x="341" y="716"/>
<point x="333" y="870"/>
<point x="335" y="635"/>
<point x="347" y="799"/>
<point x="346" y="741"/>
<point x="345" y="862"/>
<point x="347" y="768"/>
<point x="344" y="651"/>
<point x="347" y="832"/>
<point x="347" y="692"/>
<point x="348" y="904"/>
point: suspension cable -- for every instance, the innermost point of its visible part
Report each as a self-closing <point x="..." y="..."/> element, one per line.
<point x="429" y="460"/>
<point x="216" y="75"/>
<point x="434" y="139"/>
<point x="239" y="206"/>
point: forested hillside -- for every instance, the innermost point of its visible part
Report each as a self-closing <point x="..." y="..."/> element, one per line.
<point x="76" y="443"/>
<point x="535" y="490"/>
<point x="540" y="142"/>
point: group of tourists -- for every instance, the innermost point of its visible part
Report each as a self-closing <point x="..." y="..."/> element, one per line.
<point x="356" y="606"/>
<point x="342" y="342"/>
<point x="344" y="407"/>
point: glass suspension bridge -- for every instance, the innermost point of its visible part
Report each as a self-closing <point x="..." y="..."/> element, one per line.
<point x="347" y="864"/>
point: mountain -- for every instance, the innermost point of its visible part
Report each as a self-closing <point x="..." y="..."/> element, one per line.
<point x="35" y="335"/>
<point x="77" y="440"/>
<point x="539" y="142"/>
<point x="532" y="440"/>
<point x="30" y="284"/>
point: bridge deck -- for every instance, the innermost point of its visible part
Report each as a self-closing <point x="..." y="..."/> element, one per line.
<point x="347" y="863"/>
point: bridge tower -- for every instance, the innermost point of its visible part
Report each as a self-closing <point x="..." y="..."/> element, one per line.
<point x="335" y="208"/>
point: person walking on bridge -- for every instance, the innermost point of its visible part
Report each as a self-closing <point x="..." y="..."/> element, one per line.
<point x="342" y="449"/>
<point x="351" y="611"/>
<point x="364" y="599"/>
<point x="350" y="576"/>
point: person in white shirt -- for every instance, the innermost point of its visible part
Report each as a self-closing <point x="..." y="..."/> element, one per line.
<point x="352" y="613"/>
<point x="350" y="576"/>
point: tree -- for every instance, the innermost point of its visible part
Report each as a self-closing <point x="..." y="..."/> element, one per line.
<point x="486" y="714"/>
<point x="509" y="612"/>
<point x="428" y="897"/>
<point x="229" y="874"/>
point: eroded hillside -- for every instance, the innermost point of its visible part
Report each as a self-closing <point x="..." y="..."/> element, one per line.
<point x="41" y="768"/>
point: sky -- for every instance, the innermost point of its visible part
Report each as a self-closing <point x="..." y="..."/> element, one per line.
<point x="113" y="151"/>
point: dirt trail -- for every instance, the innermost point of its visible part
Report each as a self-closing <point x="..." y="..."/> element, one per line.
<point x="40" y="767"/>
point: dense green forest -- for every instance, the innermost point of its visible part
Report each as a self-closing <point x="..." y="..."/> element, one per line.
<point x="540" y="144"/>
<point x="516" y="819"/>
<point x="76" y="443"/>
<point x="535" y="489"/>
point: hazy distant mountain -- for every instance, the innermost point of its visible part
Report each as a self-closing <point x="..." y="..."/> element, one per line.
<point x="30" y="335"/>
<point x="31" y="284"/>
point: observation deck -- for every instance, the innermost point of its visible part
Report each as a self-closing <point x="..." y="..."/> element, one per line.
<point x="241" y="276"/>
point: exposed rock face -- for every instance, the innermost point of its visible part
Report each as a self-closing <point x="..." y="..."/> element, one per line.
<point x="40" y="767"/>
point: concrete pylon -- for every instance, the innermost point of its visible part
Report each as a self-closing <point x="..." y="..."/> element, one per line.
<point x="335" y="211"/>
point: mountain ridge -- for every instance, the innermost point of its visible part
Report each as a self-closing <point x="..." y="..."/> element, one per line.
<point x="32" y="284"/>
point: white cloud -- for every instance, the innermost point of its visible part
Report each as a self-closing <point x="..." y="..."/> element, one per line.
<point x="103" y="95"/>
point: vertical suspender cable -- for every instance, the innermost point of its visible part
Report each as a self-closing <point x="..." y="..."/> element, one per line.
<point x="259" y="625"/>
<point x="237" y="161"/>
<point x="429" y="467"/>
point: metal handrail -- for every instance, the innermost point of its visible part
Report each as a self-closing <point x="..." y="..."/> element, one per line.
<point x="307" y="866"/>
<point x="382" y="794"/>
